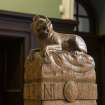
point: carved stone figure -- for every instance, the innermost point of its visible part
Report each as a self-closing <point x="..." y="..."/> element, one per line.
<point x="61" y="72"/>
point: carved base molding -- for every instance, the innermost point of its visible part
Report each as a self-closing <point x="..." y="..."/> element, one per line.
<point x="61" y="102"/>
<point x="85" y="102"/>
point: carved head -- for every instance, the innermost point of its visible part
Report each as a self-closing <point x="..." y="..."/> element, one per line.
<point x="41" y="26"/>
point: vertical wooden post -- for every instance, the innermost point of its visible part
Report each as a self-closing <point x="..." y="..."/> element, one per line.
<point x="67" y="9"/>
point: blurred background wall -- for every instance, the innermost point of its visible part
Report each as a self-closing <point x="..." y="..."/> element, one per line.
<point x="44" y="7"/>
<point x="51" y="9"/>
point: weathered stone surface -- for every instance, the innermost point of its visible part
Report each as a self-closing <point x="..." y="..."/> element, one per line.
<point x="35" y="70"/>
<point x="70" y="91"/>
<point x="55" y="90"/>
<point x="60" y="102"/>
<point x="78" y="102"/>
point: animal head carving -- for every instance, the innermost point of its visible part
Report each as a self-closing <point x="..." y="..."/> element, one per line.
<point x="42" y="26"/>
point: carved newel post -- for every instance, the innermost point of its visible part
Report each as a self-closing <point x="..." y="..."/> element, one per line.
<point x="60" y="72"/>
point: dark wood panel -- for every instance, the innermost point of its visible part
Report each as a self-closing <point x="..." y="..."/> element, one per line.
<point x="11" y="70"/>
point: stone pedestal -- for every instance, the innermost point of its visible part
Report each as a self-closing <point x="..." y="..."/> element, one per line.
<point x="48" y="85"/>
